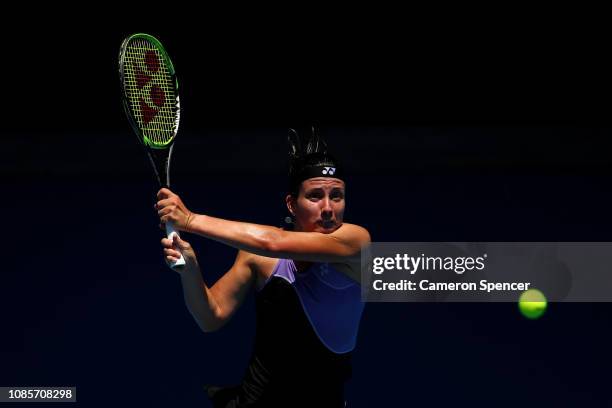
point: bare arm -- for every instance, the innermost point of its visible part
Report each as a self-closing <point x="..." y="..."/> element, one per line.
<point x="341" y="246"/>
<point x="211" y="307"/>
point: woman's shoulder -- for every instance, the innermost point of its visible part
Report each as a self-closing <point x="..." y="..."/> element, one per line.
<point x="354" y="228"/>
<point x="353" y="234"/>
<point x="262" y="266"/>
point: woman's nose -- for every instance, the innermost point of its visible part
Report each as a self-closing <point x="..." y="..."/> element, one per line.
<point x="326" y="208"/>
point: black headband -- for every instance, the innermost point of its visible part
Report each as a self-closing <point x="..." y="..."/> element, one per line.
<point x="318" y="171"/>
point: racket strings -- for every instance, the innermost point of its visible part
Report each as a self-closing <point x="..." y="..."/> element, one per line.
<point x="151" y="92"/>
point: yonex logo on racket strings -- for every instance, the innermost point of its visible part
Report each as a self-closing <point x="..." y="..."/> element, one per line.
<point x="156" y="93"/>
<point x="328" y="170"/>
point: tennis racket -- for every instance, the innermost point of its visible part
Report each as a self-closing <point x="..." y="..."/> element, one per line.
<point x="151" y="102"/>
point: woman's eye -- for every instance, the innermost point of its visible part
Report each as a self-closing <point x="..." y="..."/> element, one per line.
<point x="315" y="196"/>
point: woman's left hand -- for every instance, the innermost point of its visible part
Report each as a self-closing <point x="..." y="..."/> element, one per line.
<point x="171" y="208"/>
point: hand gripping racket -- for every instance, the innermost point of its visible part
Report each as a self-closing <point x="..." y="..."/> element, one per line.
<point x="151" y="101"/>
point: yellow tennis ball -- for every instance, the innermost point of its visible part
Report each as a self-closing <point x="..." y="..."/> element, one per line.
<point x="532" y="303"/>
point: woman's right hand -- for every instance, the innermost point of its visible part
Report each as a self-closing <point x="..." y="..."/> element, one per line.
<point x="173" y="248"/>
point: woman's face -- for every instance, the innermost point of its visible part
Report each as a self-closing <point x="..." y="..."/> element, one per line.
<point x="319" y="206"/>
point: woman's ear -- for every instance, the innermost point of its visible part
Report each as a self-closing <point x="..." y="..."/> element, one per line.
<point x="290" y="201"/>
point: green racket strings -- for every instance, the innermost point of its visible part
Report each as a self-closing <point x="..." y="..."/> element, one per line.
<point x="151" y="92"/>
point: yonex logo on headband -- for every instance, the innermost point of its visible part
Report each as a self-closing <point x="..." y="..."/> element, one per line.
<point x="317" y="171"/>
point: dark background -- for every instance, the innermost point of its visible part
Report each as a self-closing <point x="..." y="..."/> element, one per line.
<point x="467" y="137"/>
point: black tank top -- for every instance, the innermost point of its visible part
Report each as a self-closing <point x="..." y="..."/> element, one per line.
<point x="290" y="366"/>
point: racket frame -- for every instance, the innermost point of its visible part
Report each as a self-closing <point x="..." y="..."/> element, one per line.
<point x="159" y="155"/>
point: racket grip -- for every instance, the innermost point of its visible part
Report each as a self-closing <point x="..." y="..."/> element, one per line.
<point x="170" y="232"/>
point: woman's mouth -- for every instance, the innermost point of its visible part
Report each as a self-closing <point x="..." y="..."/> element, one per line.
<point x="327" y="224"/>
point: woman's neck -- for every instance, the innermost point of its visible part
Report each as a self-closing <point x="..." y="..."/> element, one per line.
<point x="302" y="266"/>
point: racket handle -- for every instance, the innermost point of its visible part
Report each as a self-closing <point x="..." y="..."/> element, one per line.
<point x="170" y="232"/>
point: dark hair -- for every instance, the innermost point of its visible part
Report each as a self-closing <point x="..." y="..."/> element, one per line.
<point x="306" y="156"/>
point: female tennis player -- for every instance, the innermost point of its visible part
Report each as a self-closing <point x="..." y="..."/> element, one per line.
<point x="308" y="302"/>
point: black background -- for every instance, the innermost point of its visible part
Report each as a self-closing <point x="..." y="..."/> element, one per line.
<point x="473" y="135"/>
